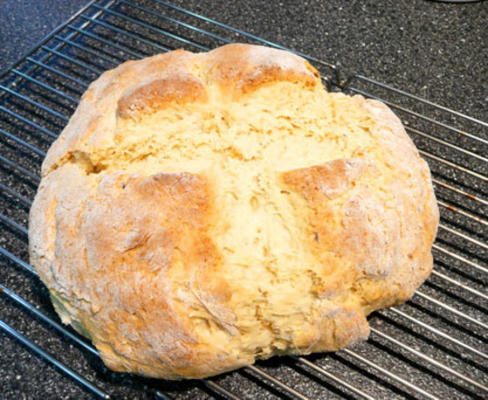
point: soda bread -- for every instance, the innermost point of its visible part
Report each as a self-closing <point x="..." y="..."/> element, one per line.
<point x="202" y="211"/>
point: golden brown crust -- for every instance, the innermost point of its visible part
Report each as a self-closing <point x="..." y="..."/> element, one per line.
<point x="158" y="93"/>
<point x="327" y="181"/>
<point x="383" y="236"/>
<point x="240" y="68"/>
<point x="149" y="231"/>
<point x="192" y="219"/>
<point x="137" y="239"/>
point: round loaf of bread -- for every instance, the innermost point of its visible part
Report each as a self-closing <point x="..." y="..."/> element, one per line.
<point x="202" y="211"/>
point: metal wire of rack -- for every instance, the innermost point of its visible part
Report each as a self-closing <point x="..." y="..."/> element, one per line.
<point x="435" y="346"/>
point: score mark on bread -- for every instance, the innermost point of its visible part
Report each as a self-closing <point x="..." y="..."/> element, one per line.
<point x="201" y="211"/>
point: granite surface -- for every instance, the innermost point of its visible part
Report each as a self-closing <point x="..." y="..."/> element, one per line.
<point x="434" y="50"/>
<point x="23" y="23"/>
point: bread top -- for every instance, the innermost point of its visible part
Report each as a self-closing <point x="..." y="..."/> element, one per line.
<point x="170" y="81"/>
<point x="200" y="211"/>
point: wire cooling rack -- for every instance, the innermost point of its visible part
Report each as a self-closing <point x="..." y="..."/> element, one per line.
<point x="435" y="346"/>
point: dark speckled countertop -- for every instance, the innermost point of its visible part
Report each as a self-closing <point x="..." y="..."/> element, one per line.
<point x="435" y="50"/>
<point x="24" y="22"/>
